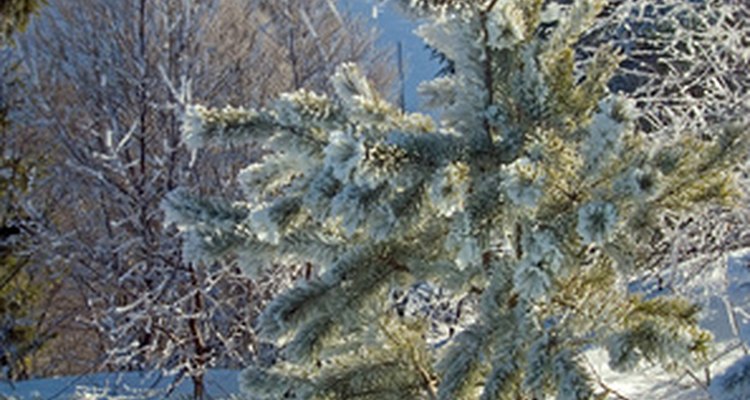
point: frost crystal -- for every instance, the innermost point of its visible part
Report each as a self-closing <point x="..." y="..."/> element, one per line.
<point x="507" y="28"/>
<point x="541" y="248"/>
<point x="303" y="106"/>
<point x="542" y="260"/>
<point x="596" y="221"/>
<point x="264" y="227"/>
<point x="192" y="126"/>
<point x="462" y="243"/>
<point x="524" y="187"/>
<point x="449" y="187"/>
<point x="342" y="154"/>
<point x="531" y="281"/>
<point x="636" y="182"/>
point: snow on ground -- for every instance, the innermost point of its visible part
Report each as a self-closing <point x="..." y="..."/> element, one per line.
<point x="653" y="382"/>
<point x="723" y="291"/>
<point x="221" y="384"/>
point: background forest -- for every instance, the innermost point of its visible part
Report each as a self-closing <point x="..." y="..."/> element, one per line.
<point x="193" y="186"/>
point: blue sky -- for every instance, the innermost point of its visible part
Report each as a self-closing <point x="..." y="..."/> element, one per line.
<point x="394" y="27"/>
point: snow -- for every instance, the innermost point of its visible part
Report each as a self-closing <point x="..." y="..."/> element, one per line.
<point x="731" y="341"/>
<point x="653" y="382"/>
<point x="648" y="382"/>
<point x="220" y="385"/>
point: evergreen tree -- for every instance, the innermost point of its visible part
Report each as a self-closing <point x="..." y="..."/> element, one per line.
<point x="21" y="295"/>
<point x="21" y="292"/>
<point x="15" y="15"/>
<point x="683" y="64"/>
<point x="536" y="192"/>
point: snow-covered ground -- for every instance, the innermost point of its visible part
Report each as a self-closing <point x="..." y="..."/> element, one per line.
<point x="220" y="384"/>
<point x="724" y="292"/>
<point x="654" y="383"/>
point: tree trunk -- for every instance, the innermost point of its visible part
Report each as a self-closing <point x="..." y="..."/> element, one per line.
<point x="198" y="386"/>
<point x="201" y="351"/>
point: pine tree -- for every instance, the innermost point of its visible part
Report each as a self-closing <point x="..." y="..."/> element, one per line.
<point x="15" y="15"/>
<point x="21" y="293"/>
<point x="22" y="283"/>
<point x="535" y="191"/>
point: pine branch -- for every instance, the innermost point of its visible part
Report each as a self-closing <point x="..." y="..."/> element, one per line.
<point x="488" y="69"/>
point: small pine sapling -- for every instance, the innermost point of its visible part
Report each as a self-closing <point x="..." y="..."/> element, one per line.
<point x="535" y="189"/>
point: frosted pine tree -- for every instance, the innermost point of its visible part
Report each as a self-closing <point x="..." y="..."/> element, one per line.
<point x="535" y="191"/>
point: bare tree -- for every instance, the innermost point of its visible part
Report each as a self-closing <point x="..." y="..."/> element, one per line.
<point x="685" y="63"/>
<point x="110" y="81"/>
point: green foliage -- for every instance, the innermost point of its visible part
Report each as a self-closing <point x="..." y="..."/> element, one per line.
<point x="21" y="293"/>
<point x="15" y="16"/>
<point x="536" y="191"/>
<point x="388" y="365"/>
